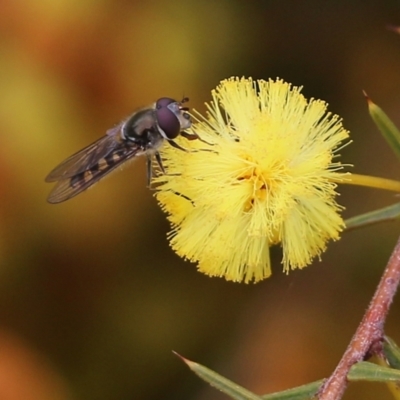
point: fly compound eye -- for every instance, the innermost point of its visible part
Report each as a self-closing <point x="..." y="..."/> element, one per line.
<point x="167" y="111"/>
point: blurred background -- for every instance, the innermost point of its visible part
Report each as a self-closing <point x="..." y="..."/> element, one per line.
<point x="92" y="299"/>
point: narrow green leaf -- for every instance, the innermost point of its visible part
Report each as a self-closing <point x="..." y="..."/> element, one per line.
<point x="392" y="352"/>
<point x="385" y="125"/>
<point x="390" y="213"/>
<point x="237" y="392"/>
<point x="219" y="382"/>
<point x="366" y="371"/>
<point x="303" y="392"/>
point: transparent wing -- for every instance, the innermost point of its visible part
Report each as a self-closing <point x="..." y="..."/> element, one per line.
<point x="87" y="157"/>
<point x="71" y="186"/>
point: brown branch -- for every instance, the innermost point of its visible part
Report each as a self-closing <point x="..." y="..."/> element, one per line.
<point x="369" y="333"/>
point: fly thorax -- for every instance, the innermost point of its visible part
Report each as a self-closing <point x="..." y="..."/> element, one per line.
<point x="154" y="140"/>
<point x="142" y="130"/>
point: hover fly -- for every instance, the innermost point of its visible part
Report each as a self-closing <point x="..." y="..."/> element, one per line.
<point x="142" y="133"/>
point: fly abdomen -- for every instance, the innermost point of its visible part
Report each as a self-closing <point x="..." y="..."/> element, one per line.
<point x="112" y="159"/>
<point x="95" y="172"/>
<point x="81" y="179"/>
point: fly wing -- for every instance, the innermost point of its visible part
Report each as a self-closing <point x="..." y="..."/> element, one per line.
<point x="86" y="158"/>
<point x="70" y="186"/>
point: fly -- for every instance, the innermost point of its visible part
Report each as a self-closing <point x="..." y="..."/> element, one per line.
<point x="141" y="134"/>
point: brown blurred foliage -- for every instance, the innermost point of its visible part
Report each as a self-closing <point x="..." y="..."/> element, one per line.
<point x="92" y="298"/>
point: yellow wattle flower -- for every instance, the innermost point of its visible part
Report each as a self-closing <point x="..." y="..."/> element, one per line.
<point x="268" y="178"/>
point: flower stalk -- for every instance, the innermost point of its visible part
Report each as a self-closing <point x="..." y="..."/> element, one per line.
<point x="372" y="182"/>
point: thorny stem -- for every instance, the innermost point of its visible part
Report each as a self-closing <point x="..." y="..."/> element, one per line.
<point x="369" y="333"/>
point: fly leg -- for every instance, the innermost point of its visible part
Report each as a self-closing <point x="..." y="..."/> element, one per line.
<point x="176" y="145"/>
<point x="149" y="167"/>
<point x="194" y="136"/>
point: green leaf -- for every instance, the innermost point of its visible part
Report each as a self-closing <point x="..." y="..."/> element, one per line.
<point x="303" y="392"/>
<point x="385" y="125"/>
<point x="391" y="352"/>
<point x="390" y="213"/>
<point x="366" y="371"/>
<point x="219" y="382"/>
<point x="237" y="392"/>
